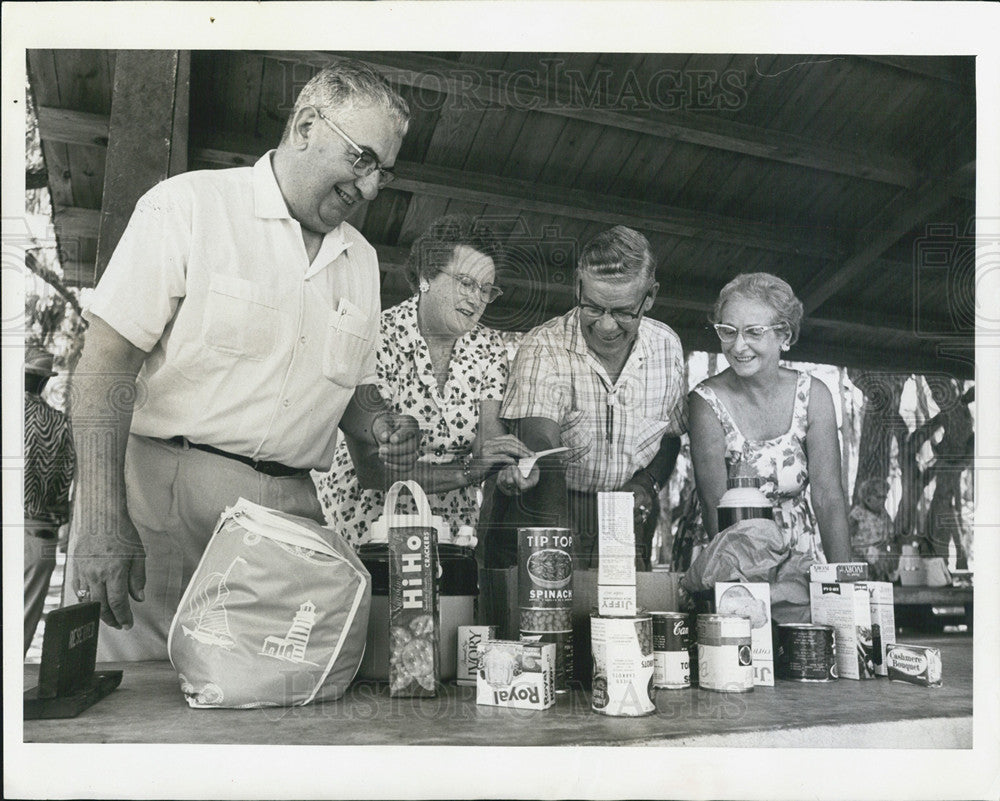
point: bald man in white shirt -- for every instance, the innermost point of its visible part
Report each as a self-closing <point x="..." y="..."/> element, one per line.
<point x="236" y="318"/>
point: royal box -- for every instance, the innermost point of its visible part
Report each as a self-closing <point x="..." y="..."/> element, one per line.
<point x="516" y="674"/>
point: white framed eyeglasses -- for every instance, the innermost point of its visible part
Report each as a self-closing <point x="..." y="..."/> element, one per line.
<point x="367" y="162"/>
<point x="469" y="286"/>
<point x="751" y="333"/>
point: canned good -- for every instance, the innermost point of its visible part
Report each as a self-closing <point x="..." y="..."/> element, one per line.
<point x="805" y="652"/>
<point x="622" y="650"/>
<point x="563" y="640"/>
<point x="545" y="593"/>
<point x="671" y="650"/>
<point x="725" y="655"/>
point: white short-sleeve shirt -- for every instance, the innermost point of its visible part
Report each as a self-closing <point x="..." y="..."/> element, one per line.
<point x="251" y="348"/>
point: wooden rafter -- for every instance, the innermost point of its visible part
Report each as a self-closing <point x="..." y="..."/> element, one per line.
<point x="906" y="211"/>
<point x="475" y="86"/>
<point x="444" y="182"/>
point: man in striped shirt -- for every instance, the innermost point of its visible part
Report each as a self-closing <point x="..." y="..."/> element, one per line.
<point x="609" y="384"/>
<point x="49" y="461"/>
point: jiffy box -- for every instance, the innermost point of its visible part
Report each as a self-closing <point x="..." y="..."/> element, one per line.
<point x="751" y="600"/>
<point x="516" y="674"/>
<point x="847" y="607"/>
<point x="883" y="622"/>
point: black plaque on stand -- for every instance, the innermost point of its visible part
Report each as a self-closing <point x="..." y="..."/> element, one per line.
<point x="67" y="681"/>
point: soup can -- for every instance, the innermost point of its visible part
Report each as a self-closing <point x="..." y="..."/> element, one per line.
<point x="622" y="650"/>
<point x="671" y="650"/>
<point x="805" y="652"/>
<point x="725" y="655"/>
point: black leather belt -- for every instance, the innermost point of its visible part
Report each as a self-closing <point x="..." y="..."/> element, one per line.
<point x="275" y="469"/>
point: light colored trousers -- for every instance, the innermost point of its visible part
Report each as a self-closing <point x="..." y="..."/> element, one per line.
<point x="175" y="496"/>
<point x="39" y="562"/>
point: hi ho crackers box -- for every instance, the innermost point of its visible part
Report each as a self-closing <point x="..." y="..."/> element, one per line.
<point x="516" y="674"/>
<point x="414" y="660"/>
<point x="751" y="600"/>
<point x="883" y="622"/>
<point x="847" y="607"/>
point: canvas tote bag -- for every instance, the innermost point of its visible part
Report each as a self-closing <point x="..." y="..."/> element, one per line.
<point x="275" y="614"/>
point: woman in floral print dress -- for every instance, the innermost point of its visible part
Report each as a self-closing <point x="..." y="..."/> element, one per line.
<point x="759" y="418"/>
<point x="434" y="361"/>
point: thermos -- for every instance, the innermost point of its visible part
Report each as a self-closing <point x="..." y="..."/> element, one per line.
<point x="743" y="500"/>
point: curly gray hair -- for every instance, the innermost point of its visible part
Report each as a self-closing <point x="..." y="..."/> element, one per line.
<point x="768" y="289"/>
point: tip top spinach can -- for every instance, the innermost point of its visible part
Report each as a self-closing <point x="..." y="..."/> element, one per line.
<point x="545" y="593"/>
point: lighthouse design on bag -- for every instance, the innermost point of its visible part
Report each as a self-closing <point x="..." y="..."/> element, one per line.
<point x="292" y="647"/>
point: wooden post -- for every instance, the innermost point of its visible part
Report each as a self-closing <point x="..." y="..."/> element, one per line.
<point x="147" y="136"/>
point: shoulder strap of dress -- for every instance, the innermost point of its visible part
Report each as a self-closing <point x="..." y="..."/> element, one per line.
<point x="725" y="418"/>
<point x="800" y="415"/>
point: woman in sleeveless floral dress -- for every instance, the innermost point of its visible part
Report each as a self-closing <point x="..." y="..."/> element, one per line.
<point x="759" y="418"/>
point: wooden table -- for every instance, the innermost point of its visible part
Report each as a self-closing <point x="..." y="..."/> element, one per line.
<point x="148" y="708"/>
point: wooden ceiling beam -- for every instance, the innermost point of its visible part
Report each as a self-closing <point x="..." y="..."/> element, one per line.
<point x="477" y="88"/>
<point x="906" y="211"/>
<point x="492" y="190"/>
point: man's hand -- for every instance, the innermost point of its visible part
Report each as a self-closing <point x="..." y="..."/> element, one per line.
<point x="644" y="503"/>
<point x="110" y="568"/>
<point x="511" y="482"/>
<point x="398" y="438"/>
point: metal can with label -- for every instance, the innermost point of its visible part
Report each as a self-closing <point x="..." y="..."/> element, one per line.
<point x="725" y="655"/>
<point x="545" y="593"/>
<point x="622" y="650"/>
<point x="805" y="652"/>
<point x="671" y="650"/>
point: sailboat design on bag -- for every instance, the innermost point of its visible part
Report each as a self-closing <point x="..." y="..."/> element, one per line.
<point x="208" y="610"/>
<point x="292" y="647"/>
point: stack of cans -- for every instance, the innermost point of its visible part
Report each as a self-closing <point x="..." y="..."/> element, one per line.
<point x="545" y="593"/>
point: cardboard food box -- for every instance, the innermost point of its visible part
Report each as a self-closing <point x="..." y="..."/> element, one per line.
<point x="847" y="607"/>
<point x="751" y="600"/>
<point x="516" y="674"/>
<point x="883" y="622"/>
<point x="470" y="638"/>
<point x="839" y="571"/>
<point x="414" y="627"/>
<point x="616" y="595"/>
<point x="914" y="664"/>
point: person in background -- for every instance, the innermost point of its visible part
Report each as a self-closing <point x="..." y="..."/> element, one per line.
<point x="49" y="463"/>
<point x="236" y="318"/>
<point x="434" y="361"/>
<point x="606" y="382"/>
<point x="872" y="530"/>
<point x="759" y="418"/>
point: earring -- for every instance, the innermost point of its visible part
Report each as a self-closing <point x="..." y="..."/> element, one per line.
<point x="423" y="286"/>
<point x="784" y="347"/>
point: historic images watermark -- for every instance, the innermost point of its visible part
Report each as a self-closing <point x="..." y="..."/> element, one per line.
<point x="554" y="86"/>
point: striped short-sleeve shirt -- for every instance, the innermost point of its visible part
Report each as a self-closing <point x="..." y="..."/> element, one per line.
<point x="612" y="428"/>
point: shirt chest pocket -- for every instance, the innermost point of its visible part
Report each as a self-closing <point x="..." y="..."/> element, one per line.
<point x="348" y="344"/>
<point x="241" y="318"/>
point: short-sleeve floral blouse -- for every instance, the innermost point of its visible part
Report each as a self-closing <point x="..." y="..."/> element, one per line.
<point x="448" y="418"/>
<point x="781" y="463"/>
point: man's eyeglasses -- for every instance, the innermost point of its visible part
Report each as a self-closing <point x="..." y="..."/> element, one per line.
<point x="751" y="333"/>
<point x="620" y="316"/>
<point x="485" y="292"/>
<point x="367" y="162"/>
